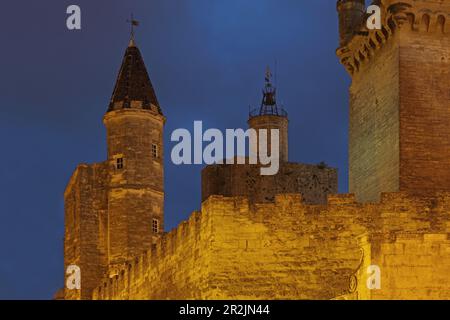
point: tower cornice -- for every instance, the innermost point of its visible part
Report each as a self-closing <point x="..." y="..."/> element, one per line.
<point x="151" y="113"/>
<point x="417" y="16"/>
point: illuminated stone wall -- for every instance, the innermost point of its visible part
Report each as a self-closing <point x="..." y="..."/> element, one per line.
<point x="291" y="250"/>
<point x="414" y="266"/>
<point x="177" y="267"/>
<point x="258" y="238"/>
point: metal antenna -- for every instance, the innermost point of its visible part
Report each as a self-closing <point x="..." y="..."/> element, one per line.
<point x="133" y="23"/>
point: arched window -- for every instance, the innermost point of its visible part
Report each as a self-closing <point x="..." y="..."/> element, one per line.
<point x="425" y="22"/>
<point x="441" y="23"/>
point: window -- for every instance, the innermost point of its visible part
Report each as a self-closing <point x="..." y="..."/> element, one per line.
<point x="155" y="226"/>
<point x="119" y="163"/>
<point x="154" y="151"/>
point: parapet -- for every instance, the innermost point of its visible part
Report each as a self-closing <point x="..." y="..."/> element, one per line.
<point x="188" y="253"/>
<point x="131" y="276"/>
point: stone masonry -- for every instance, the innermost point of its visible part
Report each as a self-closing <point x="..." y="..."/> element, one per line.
<point x="288" y="236"/>
<point x="399" y="98"/>
<point x="290" y="250"/>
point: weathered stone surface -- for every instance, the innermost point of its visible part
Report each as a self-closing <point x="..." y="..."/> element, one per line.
<point x="135" y="192"/>
<point x="270" y="122"/>
<point x="111" y="207"/>
<point x="85" y="241"/>
<point x="290" y="250"/>
<point x="399" y="137"/>
<point x="313" y="182"/>
<point x="286" y="236"/>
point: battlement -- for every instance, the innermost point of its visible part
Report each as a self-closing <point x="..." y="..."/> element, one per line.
<point x="410" y="15"/>
<point x="204" y="249"/>
<point x="286" y="236"/>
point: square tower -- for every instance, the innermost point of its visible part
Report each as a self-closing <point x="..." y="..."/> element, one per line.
<point x="399" y="137"/>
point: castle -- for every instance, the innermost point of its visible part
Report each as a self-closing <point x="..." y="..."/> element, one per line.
<point x="288" y="236"/>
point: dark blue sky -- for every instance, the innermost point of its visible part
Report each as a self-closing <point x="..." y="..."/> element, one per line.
<point x="206" y="59"/>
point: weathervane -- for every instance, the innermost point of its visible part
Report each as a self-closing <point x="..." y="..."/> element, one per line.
<point x="133" y="23"/>
<point x="268" y="75"/>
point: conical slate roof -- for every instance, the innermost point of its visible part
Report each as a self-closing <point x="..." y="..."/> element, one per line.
<point x="133" y="83"/>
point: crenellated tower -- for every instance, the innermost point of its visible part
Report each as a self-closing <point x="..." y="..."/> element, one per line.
<point x="399" y="138"/>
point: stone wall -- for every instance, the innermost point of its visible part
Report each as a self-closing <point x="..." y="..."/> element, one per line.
<point x="287" y="249"/>
<point x="414" y="266"/>
<point x="176" y="267"/>
<point x="110" y="211"/>
<point x="425" y="106"/>
<point x="313" y="182"/>
<point x="281" y="250"/>
<point x="374" y="126"/>
<point x="85" y="241"/>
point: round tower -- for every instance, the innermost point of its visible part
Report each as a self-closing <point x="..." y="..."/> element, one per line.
<point x="271" y="116"/>
<point x="134" y="123"/>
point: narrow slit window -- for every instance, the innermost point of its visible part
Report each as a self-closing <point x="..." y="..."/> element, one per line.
<point x="155" y="226"/>
<point x="119" y="163"/>
<point x="154" y="151"/>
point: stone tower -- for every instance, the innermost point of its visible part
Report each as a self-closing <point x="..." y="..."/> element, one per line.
<point x="114" y="209"/>
<point x="399" y="137"/>
<point x="313" y="182"/>
<point x="134" y="124"/>
<point x="271" y="116"/>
